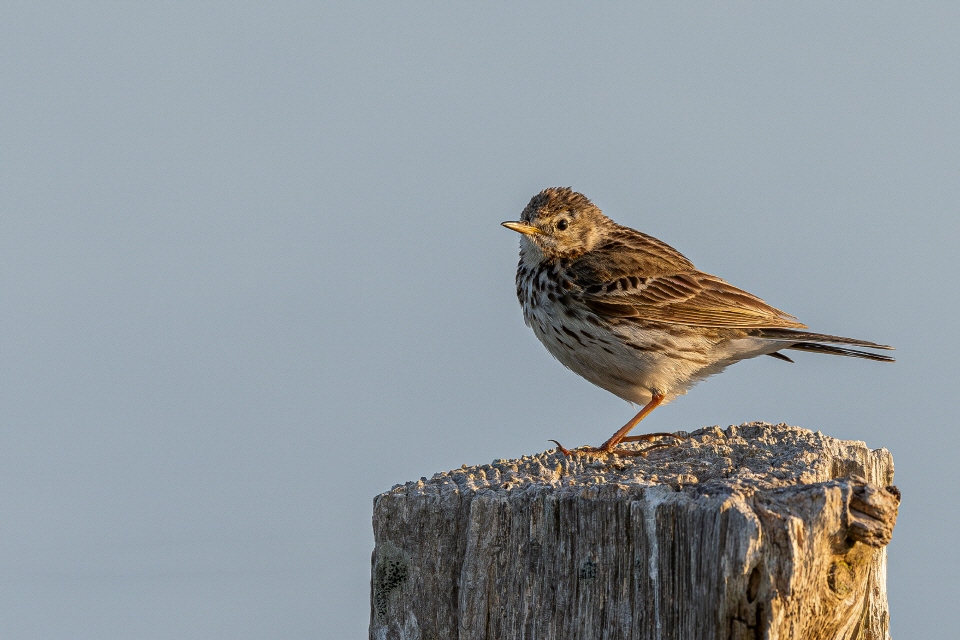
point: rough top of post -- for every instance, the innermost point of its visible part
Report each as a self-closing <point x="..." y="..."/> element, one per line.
<point x="739" y="459"/>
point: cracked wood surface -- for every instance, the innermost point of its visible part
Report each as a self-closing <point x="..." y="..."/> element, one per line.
<point x="755" y="531"/>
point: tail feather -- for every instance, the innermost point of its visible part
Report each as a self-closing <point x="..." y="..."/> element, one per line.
<point x="780" y="356"/>
<point x="806" y="336"/>
<point x="839" y="351"/>
<point x="807" y="341"/>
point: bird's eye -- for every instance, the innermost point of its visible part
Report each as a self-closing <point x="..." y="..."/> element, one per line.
<point x="561" y="225"/>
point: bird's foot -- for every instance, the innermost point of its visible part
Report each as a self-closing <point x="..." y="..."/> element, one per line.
<point x="648" y="436"/>
<point x="610" y="448"/>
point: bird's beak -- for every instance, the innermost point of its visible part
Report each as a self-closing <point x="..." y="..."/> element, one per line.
<point x="519" y="227"/>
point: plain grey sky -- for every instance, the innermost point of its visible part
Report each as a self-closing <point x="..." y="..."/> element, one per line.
<point x="252" y="273"/>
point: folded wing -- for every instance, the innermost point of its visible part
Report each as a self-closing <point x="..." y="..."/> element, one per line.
<point x="641" y="277"/>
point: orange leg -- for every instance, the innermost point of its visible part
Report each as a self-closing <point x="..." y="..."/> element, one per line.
<point x="621" y="435"/>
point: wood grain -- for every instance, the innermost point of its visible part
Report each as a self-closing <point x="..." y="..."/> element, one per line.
<point x="755" y="531"/>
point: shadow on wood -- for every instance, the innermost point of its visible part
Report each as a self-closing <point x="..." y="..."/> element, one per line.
<point x="756" y="531"/>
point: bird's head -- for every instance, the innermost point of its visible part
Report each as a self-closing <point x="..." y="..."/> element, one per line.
<point x="560" y="223"/>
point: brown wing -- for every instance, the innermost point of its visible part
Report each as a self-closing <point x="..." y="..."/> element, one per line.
<point x="647" y="279"/>
<point x="629" y="252"/>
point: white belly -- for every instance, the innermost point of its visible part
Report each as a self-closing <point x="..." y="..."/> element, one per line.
<point x="634" y="362"/>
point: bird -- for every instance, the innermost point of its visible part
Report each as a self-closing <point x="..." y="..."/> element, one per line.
<point x="632" y="315"/>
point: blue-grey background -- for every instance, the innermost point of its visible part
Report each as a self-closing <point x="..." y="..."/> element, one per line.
<point x="252" y="273"/>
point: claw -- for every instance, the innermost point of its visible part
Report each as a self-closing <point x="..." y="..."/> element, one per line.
<point x="642" y="453"/>
<point x="651" y="436"/>
<point x="566" y="452"/>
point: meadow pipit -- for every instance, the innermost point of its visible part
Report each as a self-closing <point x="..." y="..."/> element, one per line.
<point x="633" y="316"/>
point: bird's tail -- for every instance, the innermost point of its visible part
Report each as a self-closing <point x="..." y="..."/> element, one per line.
<point x="815" y="342"/>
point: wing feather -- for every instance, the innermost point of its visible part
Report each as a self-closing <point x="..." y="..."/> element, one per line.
<point x="635" y="278"/>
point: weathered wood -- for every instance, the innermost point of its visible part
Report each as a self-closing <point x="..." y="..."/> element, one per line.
<point x="756" y="531"/>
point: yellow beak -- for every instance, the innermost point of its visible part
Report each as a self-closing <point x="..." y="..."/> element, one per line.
<point x="520" y="227"/>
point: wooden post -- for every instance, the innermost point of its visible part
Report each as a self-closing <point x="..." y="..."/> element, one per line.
<point x="755" y="531"/>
